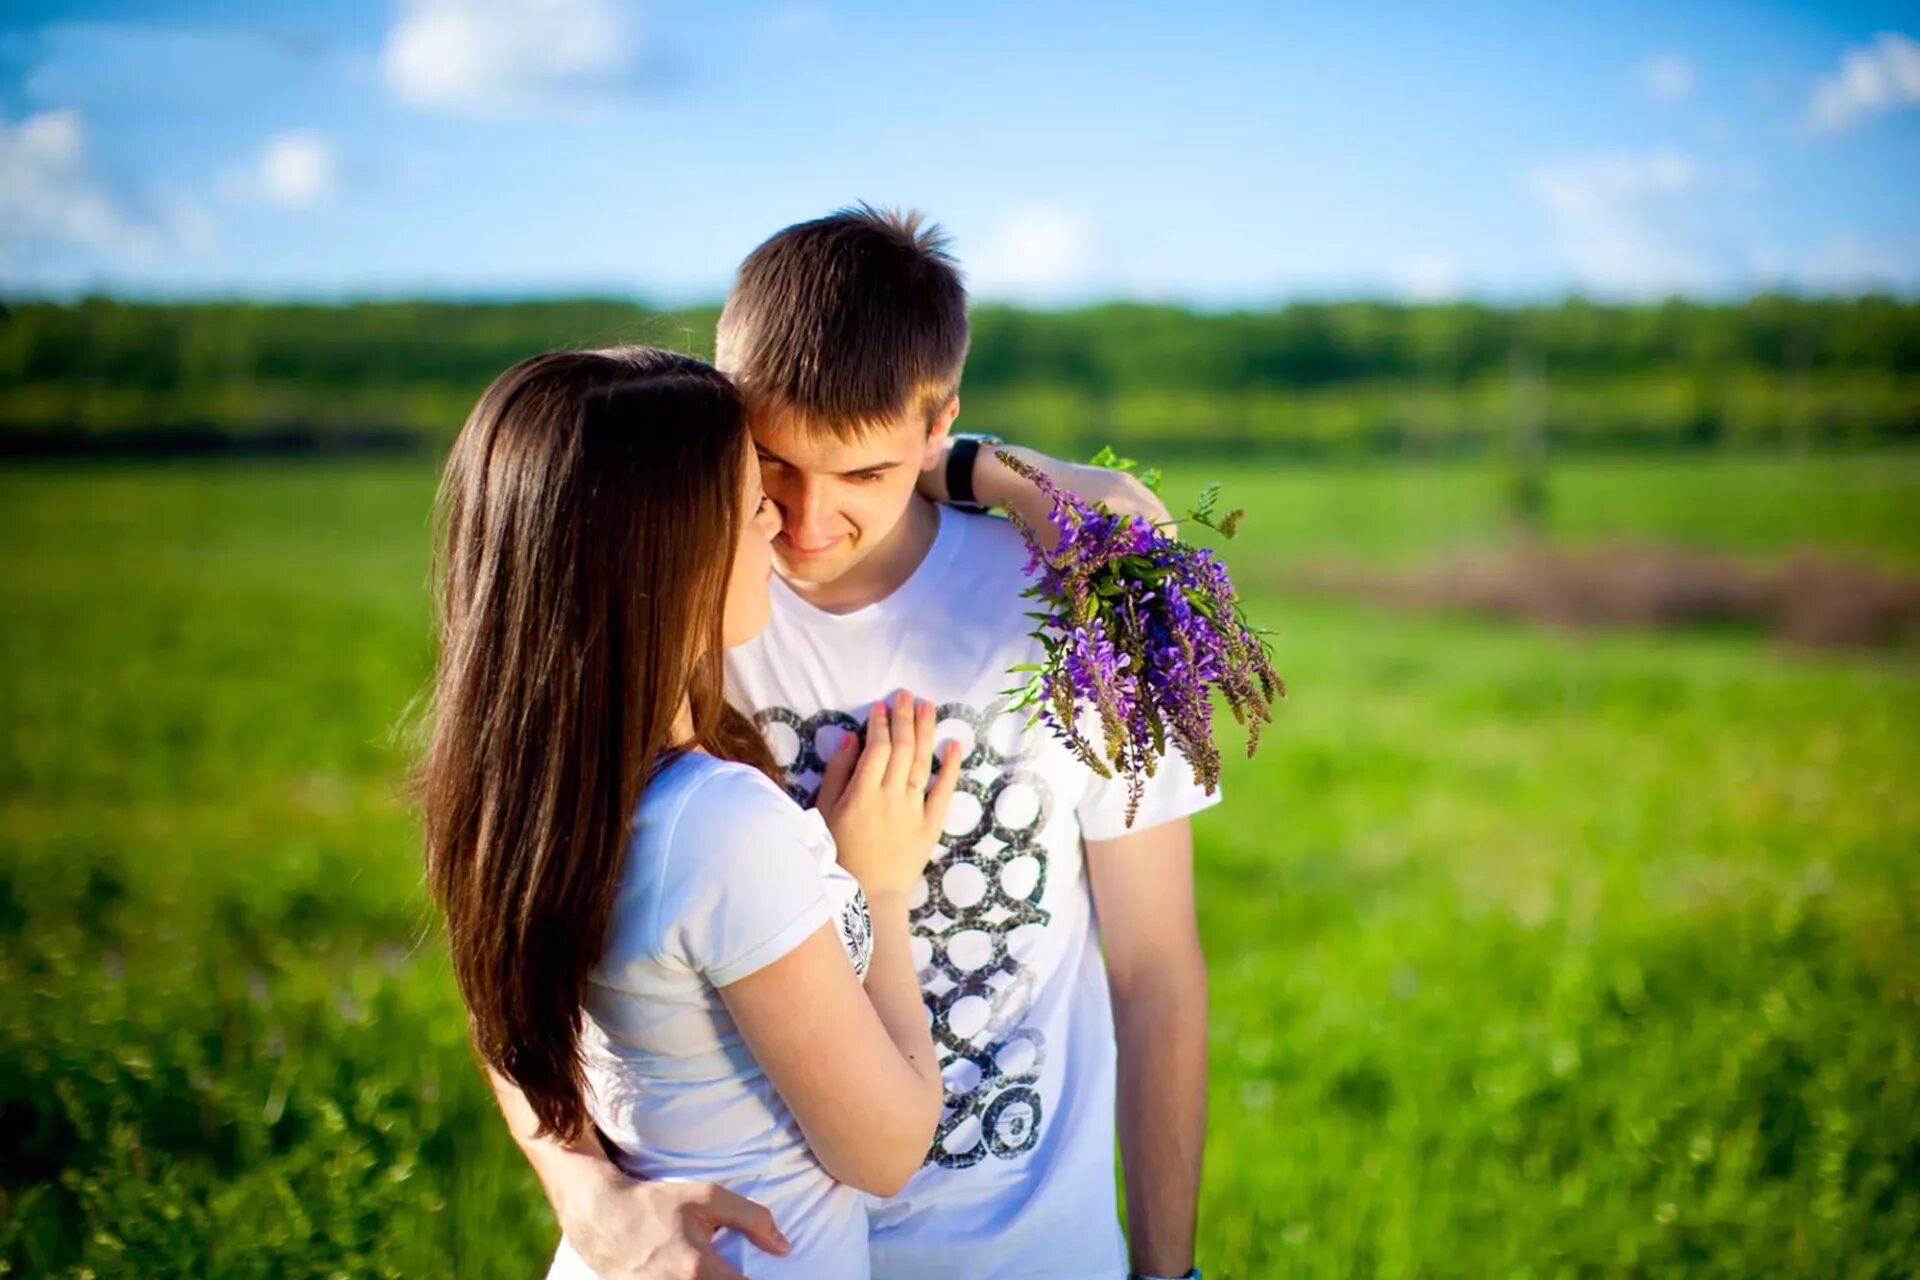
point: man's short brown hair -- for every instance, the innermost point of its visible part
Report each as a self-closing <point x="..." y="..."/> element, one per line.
<point x="849" y="321"/>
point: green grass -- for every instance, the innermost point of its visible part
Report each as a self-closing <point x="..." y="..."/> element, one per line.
<point x="1532" y="955"/>
<point x="1859" y="505"/>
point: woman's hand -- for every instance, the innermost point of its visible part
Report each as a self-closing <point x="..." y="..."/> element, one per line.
<point x="996" y="484"/>
<point x="885" y="822"/>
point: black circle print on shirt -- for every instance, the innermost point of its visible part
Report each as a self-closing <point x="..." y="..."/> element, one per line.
<point x="800" y="759"/>
<point x="986" y="882"/>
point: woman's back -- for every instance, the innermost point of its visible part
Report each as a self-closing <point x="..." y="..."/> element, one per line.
<point x="723" y="875"/>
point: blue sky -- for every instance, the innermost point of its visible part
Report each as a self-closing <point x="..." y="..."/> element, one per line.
<point x="1216" y="153"/>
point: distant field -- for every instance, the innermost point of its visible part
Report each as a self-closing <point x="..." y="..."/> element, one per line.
<point x="1859" y="504"/>
<point x="1531" y="956"/>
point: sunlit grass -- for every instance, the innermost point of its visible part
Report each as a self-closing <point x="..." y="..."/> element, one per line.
<point x="1531" y="954"/>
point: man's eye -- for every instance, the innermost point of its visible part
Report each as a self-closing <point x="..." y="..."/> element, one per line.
<point x="864" y="477"/>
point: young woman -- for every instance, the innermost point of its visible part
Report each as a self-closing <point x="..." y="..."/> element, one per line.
<point x="654" y="942"/>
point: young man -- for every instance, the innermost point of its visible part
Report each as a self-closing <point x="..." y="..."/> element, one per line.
<point x="847" y="336"/>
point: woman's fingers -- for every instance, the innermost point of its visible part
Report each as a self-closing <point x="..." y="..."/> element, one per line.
<point x="921" y="766"/>
<point x="941" y="797"/>
<point x="900" y="760"/>
<point x="833" y="783"/>
<point x="873" y="761"/>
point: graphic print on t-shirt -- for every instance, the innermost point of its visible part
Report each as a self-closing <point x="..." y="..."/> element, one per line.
<point x="984" y="884"/>
<point x="856" y="932"/>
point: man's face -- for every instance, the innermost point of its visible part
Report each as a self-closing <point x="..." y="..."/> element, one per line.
<point x="838" y="499"/>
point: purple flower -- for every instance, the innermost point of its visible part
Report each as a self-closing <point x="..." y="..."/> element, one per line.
<point x="1140" y="633"/>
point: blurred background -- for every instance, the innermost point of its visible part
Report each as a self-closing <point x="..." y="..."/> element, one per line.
<point x="1566" y="360"/>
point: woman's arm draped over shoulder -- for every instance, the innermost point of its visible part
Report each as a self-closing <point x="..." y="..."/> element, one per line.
<point x="996" y="485"/>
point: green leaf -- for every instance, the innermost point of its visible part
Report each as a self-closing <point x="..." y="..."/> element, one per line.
<point x="1201" y="512"/>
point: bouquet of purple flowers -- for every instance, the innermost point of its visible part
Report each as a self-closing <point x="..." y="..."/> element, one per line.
<point x="1143" y="629"/>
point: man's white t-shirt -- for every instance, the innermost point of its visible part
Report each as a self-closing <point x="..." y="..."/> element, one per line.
<point x="723" y="875"/>
<point x="1020" y="1180"/>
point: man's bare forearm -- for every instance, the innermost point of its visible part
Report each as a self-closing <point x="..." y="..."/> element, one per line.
<point x="1161" y="1026"/>
<point x="626" y="1228"/>
<point x="560" y="1164"/>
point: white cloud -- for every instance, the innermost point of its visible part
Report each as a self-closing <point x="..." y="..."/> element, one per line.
<point x="295" y="170"/>
<point x="486" y="56"/>
<point x="1667" y="77"/>
<point x="1623" y="221"/>
<point x="1034" y="253"/>
<point x="1871" y="80"/>
<point x="50" y="198"/>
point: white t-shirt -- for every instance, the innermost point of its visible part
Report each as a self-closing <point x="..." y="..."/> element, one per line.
<point x="1020" y="1180"/>
<point x="723" y="875"/>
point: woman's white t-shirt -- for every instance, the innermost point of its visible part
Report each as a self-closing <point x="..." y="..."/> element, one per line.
<point x="723" y="875"/>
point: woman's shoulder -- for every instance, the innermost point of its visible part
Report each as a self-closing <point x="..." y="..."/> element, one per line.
<point x="703" y="820"/>
<point x="722" y="864"/>
<point x="700" y="798"/>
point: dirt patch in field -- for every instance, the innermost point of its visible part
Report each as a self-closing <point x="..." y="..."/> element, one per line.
<point x="1808" y="599"/>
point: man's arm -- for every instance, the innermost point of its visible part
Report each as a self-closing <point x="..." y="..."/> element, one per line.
<point x="624" y="1228"/>
<point x="1143" y="891"/>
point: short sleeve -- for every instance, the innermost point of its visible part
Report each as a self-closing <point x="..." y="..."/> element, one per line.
<point x="1172" y="792"/>
<point x="742" y="879"/>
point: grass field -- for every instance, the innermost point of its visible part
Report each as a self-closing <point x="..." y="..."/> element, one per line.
<point x="1532" y="955"/>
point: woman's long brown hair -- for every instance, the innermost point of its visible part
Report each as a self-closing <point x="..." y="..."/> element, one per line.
<point x="586" y="530"/>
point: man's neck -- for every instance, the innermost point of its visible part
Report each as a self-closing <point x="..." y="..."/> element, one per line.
<point x="882" y="573"/>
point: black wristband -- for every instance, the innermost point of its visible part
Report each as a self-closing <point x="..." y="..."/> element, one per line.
<point x="960" y="471"/>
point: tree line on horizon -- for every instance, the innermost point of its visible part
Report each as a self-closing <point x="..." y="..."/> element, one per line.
<point x="1309" y="378"/>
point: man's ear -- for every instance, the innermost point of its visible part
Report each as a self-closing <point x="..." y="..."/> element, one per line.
<point x="936" y="450"/>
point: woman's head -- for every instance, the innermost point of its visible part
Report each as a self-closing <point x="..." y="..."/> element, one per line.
<point x="602" y="537"/>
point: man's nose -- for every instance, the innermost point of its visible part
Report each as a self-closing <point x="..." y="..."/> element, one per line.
<point x="807" y="514"/>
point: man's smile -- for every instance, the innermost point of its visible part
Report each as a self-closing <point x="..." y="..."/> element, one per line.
<point x="787" y="544"/>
